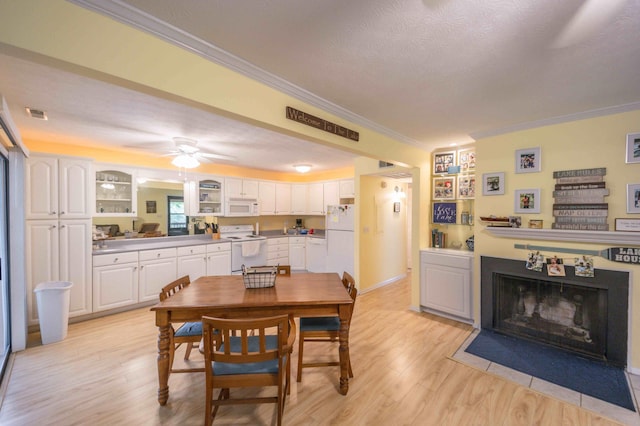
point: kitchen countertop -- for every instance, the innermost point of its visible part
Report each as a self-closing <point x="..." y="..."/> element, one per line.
<point x="153" y="243"/>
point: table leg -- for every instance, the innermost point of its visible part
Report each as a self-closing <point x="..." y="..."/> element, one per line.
<point x="343" y="351"/>
<point x="163" y="364"/>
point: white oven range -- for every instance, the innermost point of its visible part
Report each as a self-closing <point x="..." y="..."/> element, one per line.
<point x="246" y="248"/>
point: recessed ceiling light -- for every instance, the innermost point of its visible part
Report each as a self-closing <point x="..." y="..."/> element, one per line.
<point x="302" y="168"/>
<point x="36" y="113"/>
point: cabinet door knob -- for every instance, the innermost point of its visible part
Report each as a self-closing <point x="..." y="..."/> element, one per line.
<point x="115" y="260"/>
<point x="61" y="212"/>
<point x="53" y="212"/>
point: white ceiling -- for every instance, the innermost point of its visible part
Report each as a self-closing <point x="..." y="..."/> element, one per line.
<point x="429" y="73"/>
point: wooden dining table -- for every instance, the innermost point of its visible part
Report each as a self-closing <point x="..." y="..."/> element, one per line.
<point x="300" y="294"/>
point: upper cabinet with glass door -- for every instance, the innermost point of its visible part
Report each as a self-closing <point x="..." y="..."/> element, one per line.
<point x="116" y="193"/>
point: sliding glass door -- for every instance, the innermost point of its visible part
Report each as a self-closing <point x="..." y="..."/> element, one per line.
<point x="5" y="333"/>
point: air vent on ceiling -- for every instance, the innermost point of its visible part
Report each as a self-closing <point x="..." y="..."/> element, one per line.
<point x="36" y="113"/>
<point x="383" y="164"/>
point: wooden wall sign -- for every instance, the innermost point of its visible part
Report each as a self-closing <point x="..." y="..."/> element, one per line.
<point x="623" y="255"/>
<point x="319" y="123"/>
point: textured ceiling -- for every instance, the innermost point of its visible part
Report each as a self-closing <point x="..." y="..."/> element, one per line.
<point x="429" y="73"/>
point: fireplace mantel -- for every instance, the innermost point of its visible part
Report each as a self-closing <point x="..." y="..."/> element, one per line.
<point x="595" y="237"/>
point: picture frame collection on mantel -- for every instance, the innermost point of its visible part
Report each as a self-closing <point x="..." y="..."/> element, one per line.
<point x="577" y="191"/>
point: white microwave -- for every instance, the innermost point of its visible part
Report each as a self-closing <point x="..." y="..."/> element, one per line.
<point x="241" y="207"/>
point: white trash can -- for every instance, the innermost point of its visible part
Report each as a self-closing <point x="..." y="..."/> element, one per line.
<point x="52" y="298"/>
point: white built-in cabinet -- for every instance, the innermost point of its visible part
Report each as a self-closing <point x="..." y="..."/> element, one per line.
<point x="446" y="282"/>
<point x="278" y="251"/>
<point x="299" y="196"/>
<point x="157" y="269"/>
<point x="219" y="259"/>
<point x="115" y="280"/>
<point x="192" y="261"/>
<point x="129" y="278"/>
<point x="241" y="188"/>
<point x="321" y="195"/>
<point x="275" y="198"/>
<point x="297" y="258"/>
<point x="347" y="188"/>
<point x="116" y="191"/>
<point x="205" y="259"/>
<point x="204" y="197"/>
<point x="58" y="229"/>
<point x="58" y="188"/>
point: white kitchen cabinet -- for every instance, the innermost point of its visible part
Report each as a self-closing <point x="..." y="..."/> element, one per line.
<point x="322" y="194"/>
<point x="275" y="198"/>
<point x="116" y="191"/>
<point x="157" y="268"/>
<point x="347" y="188"/>
<point x="297" y="252"/>
<point x="278" y="251"/>
<point x="58" y="188"/>
<point x="59" y="250"/>
<point x="446" y="282"/>
<point x="192" y="261"/>
<point x="331" y="194"/>
<point x="241" y="188"/>
<point x="219" y="259"/>
<point x="299" y="197"/>
<point x="316" y="204"/>
<point x="115" y="280"/>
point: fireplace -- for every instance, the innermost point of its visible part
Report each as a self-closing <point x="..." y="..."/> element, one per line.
<point x="585" y="315"/>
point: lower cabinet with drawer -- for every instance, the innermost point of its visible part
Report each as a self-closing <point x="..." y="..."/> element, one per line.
<point x="446" y="283"/>
<point x="115" y="280"/>
<point x="278" y="251"/>
<point x="157" y="269"/>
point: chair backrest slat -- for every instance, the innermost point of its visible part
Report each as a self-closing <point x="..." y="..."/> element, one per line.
<point x="174" y="287"/>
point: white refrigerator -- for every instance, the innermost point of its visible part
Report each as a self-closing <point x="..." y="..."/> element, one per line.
<point x="340" y="245"/>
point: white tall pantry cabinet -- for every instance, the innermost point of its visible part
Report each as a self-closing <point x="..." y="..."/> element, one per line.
<point x="58" y="228"/>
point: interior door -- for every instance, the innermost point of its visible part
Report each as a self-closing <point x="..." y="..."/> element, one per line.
<point x="177" y="218"/>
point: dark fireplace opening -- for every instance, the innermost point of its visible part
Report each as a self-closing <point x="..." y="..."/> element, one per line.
<point x="560" y="314"/>
<point x="585" y="315"/>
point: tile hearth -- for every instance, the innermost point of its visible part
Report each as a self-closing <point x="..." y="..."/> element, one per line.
<point x="614" y="412"/>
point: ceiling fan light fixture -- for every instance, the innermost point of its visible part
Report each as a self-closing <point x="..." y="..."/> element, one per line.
<point x="186" y="145"/>
<point x="185" y="161"/>
<point x="302" y="168"/>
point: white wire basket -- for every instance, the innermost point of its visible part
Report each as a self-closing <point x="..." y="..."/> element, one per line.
<point x="259" y="277"/>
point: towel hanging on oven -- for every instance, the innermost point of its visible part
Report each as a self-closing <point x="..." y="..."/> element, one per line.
<point x="250" y="248"/>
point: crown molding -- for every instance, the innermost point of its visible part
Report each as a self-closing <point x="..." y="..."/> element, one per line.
<point x="140" y="20"/>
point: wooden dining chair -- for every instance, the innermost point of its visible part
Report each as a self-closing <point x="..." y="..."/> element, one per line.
<point x="322" y="329"/>
<point x="237" y="358"/>
<point x="348" y="281"/>
<point x="189" y="333"/>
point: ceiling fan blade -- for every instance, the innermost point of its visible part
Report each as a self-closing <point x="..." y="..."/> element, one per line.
<point x="590" y="18"/>
<point x="216" y="156"/>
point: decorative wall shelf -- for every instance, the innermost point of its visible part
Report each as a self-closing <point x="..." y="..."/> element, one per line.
<point x="595" y="237"/>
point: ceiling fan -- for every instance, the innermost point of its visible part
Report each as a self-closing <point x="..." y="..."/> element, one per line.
<point x="188" y="155"/>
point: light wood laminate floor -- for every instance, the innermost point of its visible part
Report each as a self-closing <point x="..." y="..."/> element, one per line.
<point x="104" y="373"/>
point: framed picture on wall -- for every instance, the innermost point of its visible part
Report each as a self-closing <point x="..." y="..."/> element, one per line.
<point x="442" y="161"/>
<point x="528" y="160"/>
<point x="467" y="159"/>
<point x="527" y="201"/>
<point x="633" y="198"/>
<point x="467" y="186"/>
<point x="444" y="188"/>
<point x="633" y="148"/>
<point x="493" y="183"/>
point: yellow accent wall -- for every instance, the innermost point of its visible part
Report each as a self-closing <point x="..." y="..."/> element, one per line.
<point x="383" y="232"/>
<point x="590" y="143"/>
